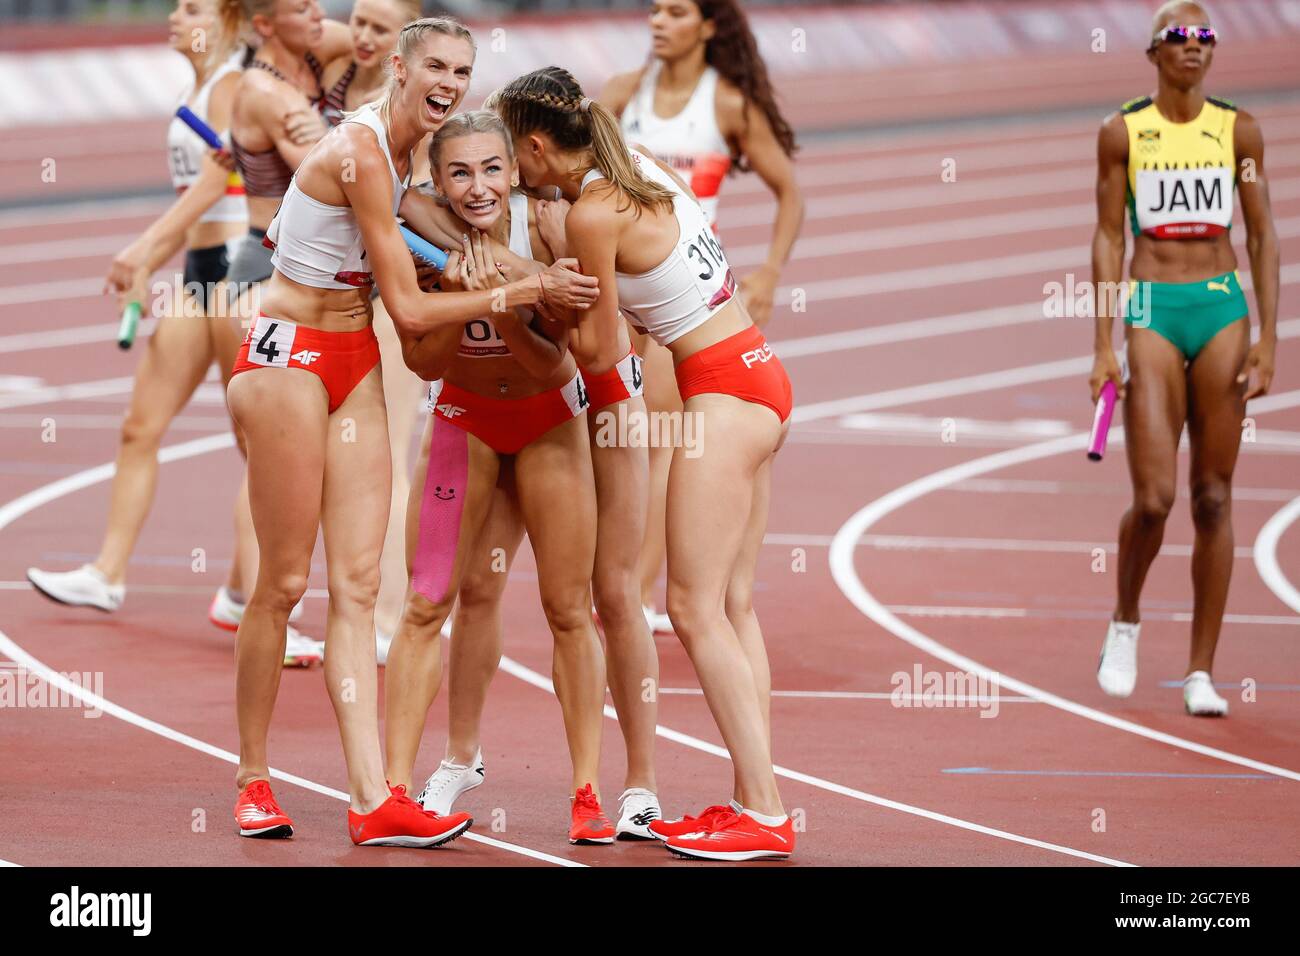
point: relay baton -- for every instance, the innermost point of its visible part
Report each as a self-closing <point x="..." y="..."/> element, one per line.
<point x="423" y="249"/>
<point x="206" y="133"/>
<point x="1101" y="421"/>
<point x="130" y="321"/>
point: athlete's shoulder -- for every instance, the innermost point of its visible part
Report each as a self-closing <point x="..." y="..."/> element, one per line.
<point x="1135" y="105"/>
<point x="619" y="90"/>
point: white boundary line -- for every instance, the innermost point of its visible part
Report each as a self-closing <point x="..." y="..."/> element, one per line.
<point x="1265" y="554"/>
<point x="846" y="578"/>
<point x="15" y="509"/>
<point x="47" y="493"/>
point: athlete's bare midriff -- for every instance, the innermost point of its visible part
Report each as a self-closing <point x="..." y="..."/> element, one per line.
<point x="503" y="377"/>
<point x="1182" y="260"/>
<point x="330" y="310"/>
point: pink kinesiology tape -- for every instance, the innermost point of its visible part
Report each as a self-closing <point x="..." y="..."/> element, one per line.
<point x="443" y="501"/>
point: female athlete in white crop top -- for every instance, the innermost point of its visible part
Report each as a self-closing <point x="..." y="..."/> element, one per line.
<point x="705" y="106"/>
<point x="190" y="335"/>
<point x="312" y="354"/>
<point x="633" y="231"/>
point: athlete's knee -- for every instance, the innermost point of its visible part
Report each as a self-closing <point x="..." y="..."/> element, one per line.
<point x="691" y="610"/>
<point x="1152" y="503"/>
<point x="142" y="431"/>
<point x="355" y="586"/>
<point x="740" y="599"/>
<point x="1211" y="503"/>
<point x="481" y="591"/>
<point x="618" y="600"/>
<point x="280" y="591"/>
<point x="567" y="610"/>
<point x="422" y="618"/>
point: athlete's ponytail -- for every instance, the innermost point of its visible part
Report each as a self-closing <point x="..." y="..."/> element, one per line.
<point x="552" y="102"/>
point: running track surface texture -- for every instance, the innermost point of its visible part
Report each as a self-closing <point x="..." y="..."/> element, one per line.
<point x="890" y="550"/>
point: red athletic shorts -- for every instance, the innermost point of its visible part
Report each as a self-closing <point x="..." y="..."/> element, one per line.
<point x="743" y="365"/>
<point x="621" y="382"/>
<point x="507" y="425"/>
<point x="339" y="359"/>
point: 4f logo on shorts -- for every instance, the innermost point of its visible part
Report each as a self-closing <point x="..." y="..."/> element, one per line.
<point x="450" y="411"/>
<point x="757" y="356"/>
<point x="305" y="357"/>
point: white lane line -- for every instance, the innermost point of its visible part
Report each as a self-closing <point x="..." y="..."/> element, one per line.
<point x="1067" y="614"/>
<point x="982" y="382"/>
<point x="866" y="695"/>
<point x="15" y="509"/>
<point x="68" y="393"/>
<point x="1017" y="486"/>
<point x="7" y="863"/>
<point x="513" y="667"/>
<point x="922" y="542"/>
<point x="1265" y="554"/>
<point x="846" y="578"/>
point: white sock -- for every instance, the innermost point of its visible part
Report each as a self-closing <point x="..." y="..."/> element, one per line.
<point x="765" y="819"/>
<point x="735" y="807"/>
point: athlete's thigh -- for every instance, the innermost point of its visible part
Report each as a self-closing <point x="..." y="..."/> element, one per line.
<point x="487" y="567"/>
<point x="622" y="473"/>
<point x="175" y="361"/>
<point x="741" y="586"/>
<point x="1216" y="404"/>
<point x="557" y="498"/>
<point x="1155" y="407"/>
<point x="354" y="511"/>
<point x="710" y="495"/>
<point x="284" y="415"/>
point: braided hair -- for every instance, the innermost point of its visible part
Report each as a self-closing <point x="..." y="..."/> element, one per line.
<point x="551" y="101"/>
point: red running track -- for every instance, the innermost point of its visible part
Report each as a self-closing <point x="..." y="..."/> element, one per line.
<point x="924" y="304"/>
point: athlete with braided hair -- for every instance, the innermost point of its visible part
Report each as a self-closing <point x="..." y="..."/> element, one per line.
<point x="640" y="231"/>
<point x="704" y="104"/>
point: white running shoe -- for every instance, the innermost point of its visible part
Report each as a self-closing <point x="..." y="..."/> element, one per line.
<point x="84" y="587"/>
<point x="382" y="643"/>
<point x="1118" y="671"/>
<point x="1200" y="698"/>
<point x="300" y="650"/>
<point x="449" y="782"/>
<point x="658" y="623"/>
<point x="226" y="613"/>
<point x="638" y="808"/>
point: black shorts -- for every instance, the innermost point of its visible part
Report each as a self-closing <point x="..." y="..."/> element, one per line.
<point x="204" y="268"/>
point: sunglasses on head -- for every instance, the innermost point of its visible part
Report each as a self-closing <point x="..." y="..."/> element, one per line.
<point x="1178" y="35"/>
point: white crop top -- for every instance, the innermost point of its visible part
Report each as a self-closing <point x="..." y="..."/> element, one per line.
<point x="480" y="339"/>
<point x="185" y="152"/>
<point x="690" y="142"/>
<point x="693" y="282"/>
<point x="320" y="245"/>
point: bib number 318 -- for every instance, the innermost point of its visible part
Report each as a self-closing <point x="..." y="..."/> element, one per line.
<point x="707" y="254"/>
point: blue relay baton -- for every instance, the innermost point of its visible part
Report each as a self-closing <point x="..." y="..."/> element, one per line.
<point x="206" y="132"/>
<point x="424" y="249"/>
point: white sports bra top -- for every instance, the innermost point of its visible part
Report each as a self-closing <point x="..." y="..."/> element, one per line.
<point x="320" y="245"/>
<point x="690" y="142"/>
<point x="480" y="339"/>
<point x="185" y="151"/>
<point x="691" y="284"/>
